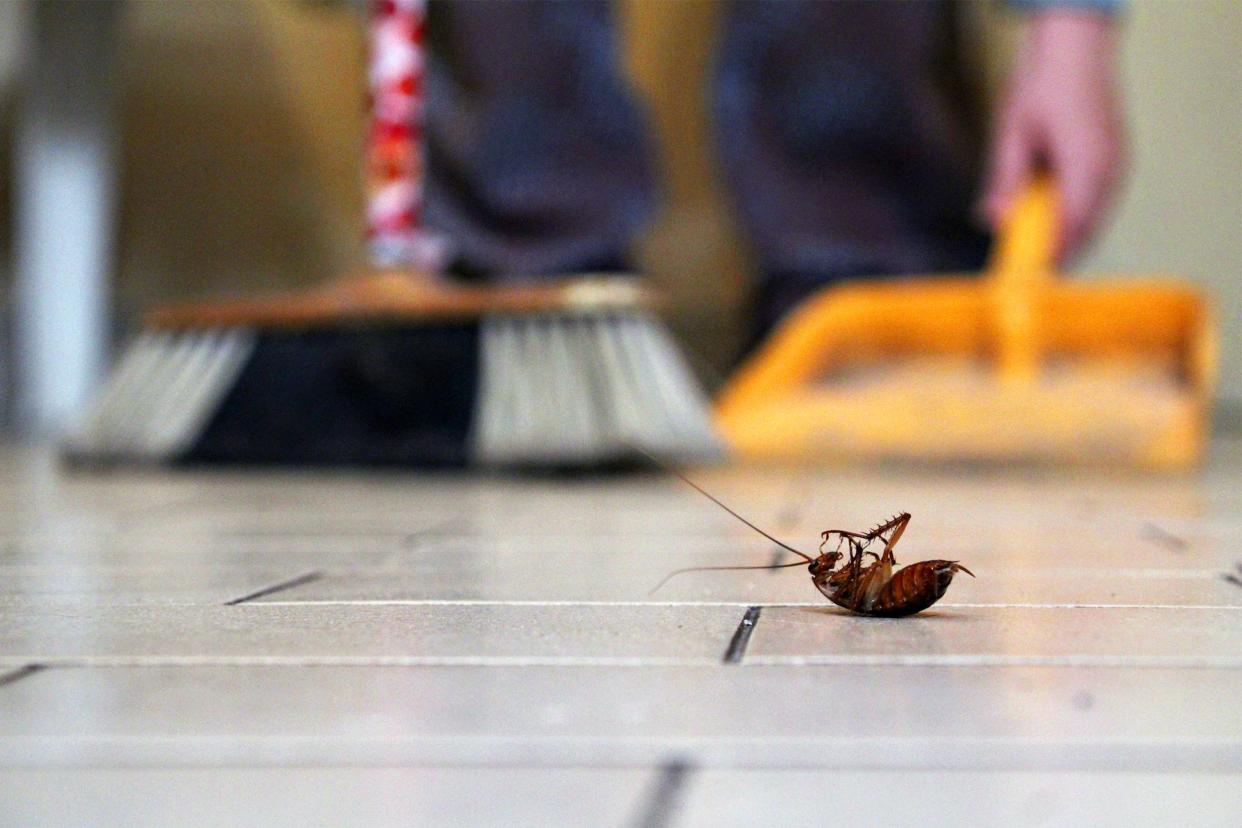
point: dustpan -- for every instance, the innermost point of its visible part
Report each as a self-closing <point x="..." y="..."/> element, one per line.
<point x="1016" y="365"/>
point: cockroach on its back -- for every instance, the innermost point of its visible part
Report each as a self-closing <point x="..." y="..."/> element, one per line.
<point x="872" y="589"/>
<point x="876" y="589"/>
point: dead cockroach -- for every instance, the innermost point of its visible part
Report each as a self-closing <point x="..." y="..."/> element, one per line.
<point x="873" y="589"/>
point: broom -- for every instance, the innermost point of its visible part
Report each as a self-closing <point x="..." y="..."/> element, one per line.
<point x="397" y="367"/>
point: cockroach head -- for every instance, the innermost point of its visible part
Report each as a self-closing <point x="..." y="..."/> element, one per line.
<point x="824" y="563"/>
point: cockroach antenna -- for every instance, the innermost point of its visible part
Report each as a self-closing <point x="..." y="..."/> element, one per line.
<point x="676" y="572"/>
<point x="713" y="499"/>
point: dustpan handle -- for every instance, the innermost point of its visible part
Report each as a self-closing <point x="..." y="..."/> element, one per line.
<point x="1026" y="244"/>
<point x="1023" y="262"/>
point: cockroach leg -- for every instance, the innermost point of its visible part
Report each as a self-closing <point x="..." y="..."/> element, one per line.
<point x="899" y="524"/>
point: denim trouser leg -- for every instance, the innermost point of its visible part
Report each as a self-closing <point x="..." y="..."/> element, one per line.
<point x="847" y="141"/>
<point x="539" y="160"/>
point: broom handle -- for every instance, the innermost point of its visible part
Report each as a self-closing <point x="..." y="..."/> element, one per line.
<point x="1023" y="263"/>
<point x="395" y="158"/>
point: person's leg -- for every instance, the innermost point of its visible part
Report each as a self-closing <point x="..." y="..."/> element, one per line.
<point x="538" y="157"/>
<point x="848" y="143"/>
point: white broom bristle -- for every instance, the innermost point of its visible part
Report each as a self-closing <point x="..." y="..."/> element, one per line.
<point x="160" y="396"/>
<point x="575" y="389"/>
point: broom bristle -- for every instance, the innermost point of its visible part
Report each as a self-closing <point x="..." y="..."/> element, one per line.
<point x="160" y="396"/>
<point x="575" y="389"/>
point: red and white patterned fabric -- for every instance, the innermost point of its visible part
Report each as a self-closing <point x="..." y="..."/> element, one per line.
<point x="396" y="71"/>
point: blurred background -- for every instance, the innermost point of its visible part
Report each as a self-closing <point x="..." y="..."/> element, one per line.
<point x="238" y="160"/>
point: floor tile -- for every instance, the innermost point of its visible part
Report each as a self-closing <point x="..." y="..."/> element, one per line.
<point x="810" y="798"/>
<point x="322" y="796"/>
<point x="1005" y="635"/>
<point x="35" y="587"/>
<point x="1011" y="718"/>
<point x="367" y="634"/>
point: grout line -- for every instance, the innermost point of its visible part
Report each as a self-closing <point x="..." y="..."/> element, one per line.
<point x="976" y="660"/>
<point x="998" y="660"/>
<point x="21" y="673"/>
<point x="488" y="602"/>
<point x="342" y="532"/>
<point x="1230" y="577"/>
<point x="181" y="661"/>
<point x="304" y="578"/>
<point x="660" y="809"/>
<point x="741" y="637"/>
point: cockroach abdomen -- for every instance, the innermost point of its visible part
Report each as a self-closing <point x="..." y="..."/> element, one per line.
<point x="914" y="588"/>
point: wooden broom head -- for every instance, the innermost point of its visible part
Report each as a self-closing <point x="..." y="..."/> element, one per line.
<point x="396" y="296"/>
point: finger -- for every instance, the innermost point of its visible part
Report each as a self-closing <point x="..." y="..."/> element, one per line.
<point x="1012" y="162"/>
<point x="1085" y="167"/>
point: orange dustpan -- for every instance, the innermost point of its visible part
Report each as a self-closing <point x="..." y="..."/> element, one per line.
<point x="1016" y="365"/>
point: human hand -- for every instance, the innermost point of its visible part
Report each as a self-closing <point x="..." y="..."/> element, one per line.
<point x="1062" y="112"/>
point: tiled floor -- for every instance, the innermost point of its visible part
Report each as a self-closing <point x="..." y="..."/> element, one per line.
<point x="388" y="649"/>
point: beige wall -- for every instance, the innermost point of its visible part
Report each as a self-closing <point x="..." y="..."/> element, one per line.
<point x="241" y="126"/>
<point x="1182" y="207"/>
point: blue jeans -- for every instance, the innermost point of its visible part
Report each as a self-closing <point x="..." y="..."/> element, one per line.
<point x="845" y="130"/>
